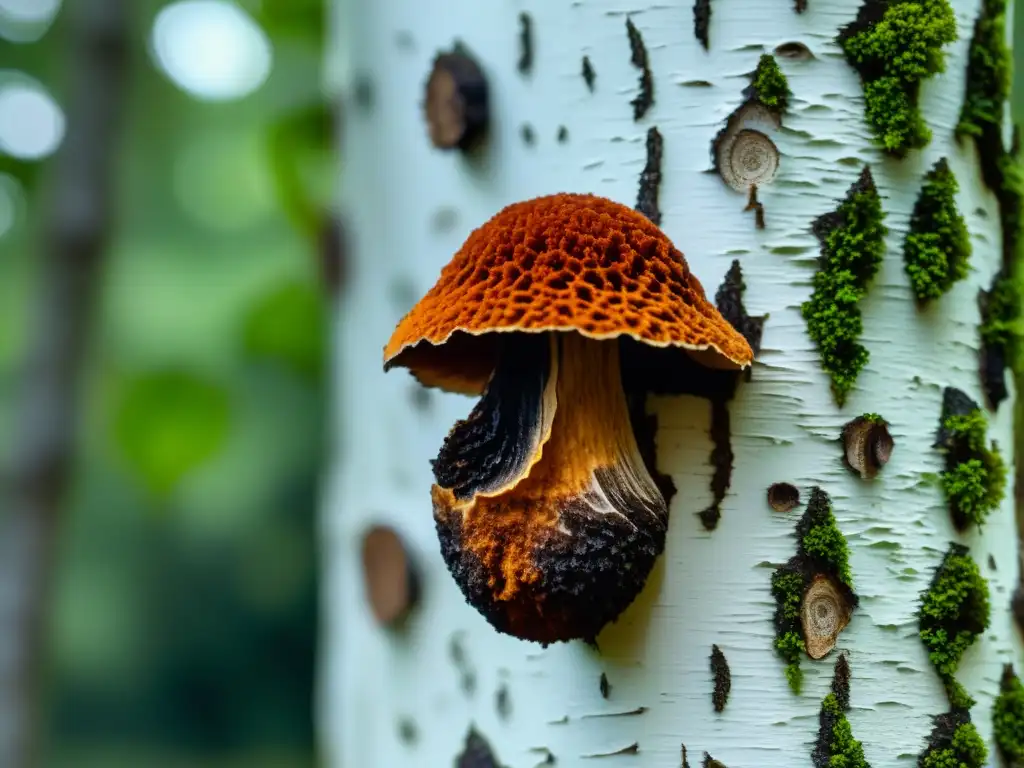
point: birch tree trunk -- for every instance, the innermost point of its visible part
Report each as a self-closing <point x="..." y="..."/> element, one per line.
<point x="410" y="696"/>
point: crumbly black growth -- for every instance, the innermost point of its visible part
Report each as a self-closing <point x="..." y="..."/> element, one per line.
<point x="588" y="574"/>
<point x="722" y="678"/>
<point x="589" y="76"/>
<point x="685" y="763"/>
<point x="476" y="753"/>
<point x="729" y="301"/>
<point x="494" y="443"/>
<point x="701" y="21"/>
<point x="638" y="57"/>
<point x="650" y="178"/>
<point x="841" y="682"/>
<point x="525" y="64"/>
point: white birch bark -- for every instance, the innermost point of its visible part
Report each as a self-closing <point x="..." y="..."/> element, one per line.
<point x="707" y="587"/>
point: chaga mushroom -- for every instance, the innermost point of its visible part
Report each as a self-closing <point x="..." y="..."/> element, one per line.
<point x="548" y="518"/>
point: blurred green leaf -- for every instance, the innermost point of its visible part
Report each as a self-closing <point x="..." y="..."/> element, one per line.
<point x="299" y="144"/>
<point x="168" y="423"/>
<point x="286" y="326"/>
<point x="290" y="18"/>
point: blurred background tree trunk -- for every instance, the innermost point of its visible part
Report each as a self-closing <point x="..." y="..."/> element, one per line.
<point x="73" y="237"/>
<point x="414" y="696"/>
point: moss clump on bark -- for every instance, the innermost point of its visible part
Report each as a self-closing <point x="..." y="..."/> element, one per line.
<point x="894" y="45"/>
<point x="974" y="480"/>
<point x="954" y="611"/>
<point x="1008" y="717"/>
<point x="954" y="743"/>
<point x="937" y="247"/>
<point x="989" y="68"/>
<point x="769" y="84"/>
<point x="821" y="549"/>
<point x="836" y="747"/>
<point x="852" y="246"/>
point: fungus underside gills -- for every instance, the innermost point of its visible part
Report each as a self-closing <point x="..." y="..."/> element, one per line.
<point x="566" y="546"/>
<point x="937" y="247"/>
<point x="1008" y="717"/>
<point x="988" y="85"/>
<point x="954" y="743"/>
<point x="852" y="245"/>
<point x="638" y="57"/>
<point x="974" y="480"/>
<point x="954" y="611"/>
<point x="814" y="589"/>
<point x="836" y="746"/>
<point x="895" y="45"/>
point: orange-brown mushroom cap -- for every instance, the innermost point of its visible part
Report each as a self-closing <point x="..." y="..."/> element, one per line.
<point x="565" y="262"/>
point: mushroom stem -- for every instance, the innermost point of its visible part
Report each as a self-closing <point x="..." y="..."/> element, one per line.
<point x="568" y="539"/>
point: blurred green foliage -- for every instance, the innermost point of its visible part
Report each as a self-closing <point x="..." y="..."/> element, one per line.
<point x="183" y="628"/>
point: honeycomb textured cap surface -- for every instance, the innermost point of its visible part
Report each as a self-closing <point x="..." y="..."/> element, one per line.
<point x="570" y="262"/>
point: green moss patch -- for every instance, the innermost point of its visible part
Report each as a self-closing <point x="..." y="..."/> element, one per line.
<point x="954" y="611"/>
<point x="821" y="549"/>
<point x="954" y="743"/>
<point x="852" y="246"/>
<point x="974" y="480"/>
<point x="989" y="66"/>
<point x="937" y="247"/>
<point x="769" y="85"/>
<point x="836" y="747"/>
<point x="894" y="45"/>
<point x="1008" y="718"/>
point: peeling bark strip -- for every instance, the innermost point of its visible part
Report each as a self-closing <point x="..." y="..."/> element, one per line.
<point x="701" y="21"/>
<point x="638" y="57"/>
<point x="525" y="64"/>
<point x="476" y="753"/>
<point x="813" y="590"/>
<point x="836" y="745"/>
<point x="650" y="178"/>
<point x="722" y="678"/>
<point x="974" y="480"/>
<point x="632" y="749"/>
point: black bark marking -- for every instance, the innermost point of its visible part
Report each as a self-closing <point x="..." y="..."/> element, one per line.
<point x="722" y="678"/>
<point x="525" y="64"/>
<point x="476" y="753"/>
<point x="589" y="76"/>
<point x="408" y="733"/>
<point x="685" y="763"/>
<point x="638" y="57"/>
<point x="502" y="702"/>
<point x="755" y="205"/>
<point x="627" y="713"/>
<point x="800" y="5"/>
<point x="729" y="300"/>
<point x="650" y="178"/>
<point x="527" y="134"/>
<point x="457" y="654"/>
<point x="702" y="21"/>
<point x="548" y="756"/>
<point x="563" y="134"/>
<point x="605" y="686"/>
<point x="645" y="430"/>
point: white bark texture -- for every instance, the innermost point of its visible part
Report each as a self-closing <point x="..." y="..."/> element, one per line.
<point x="708" y="587"/>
